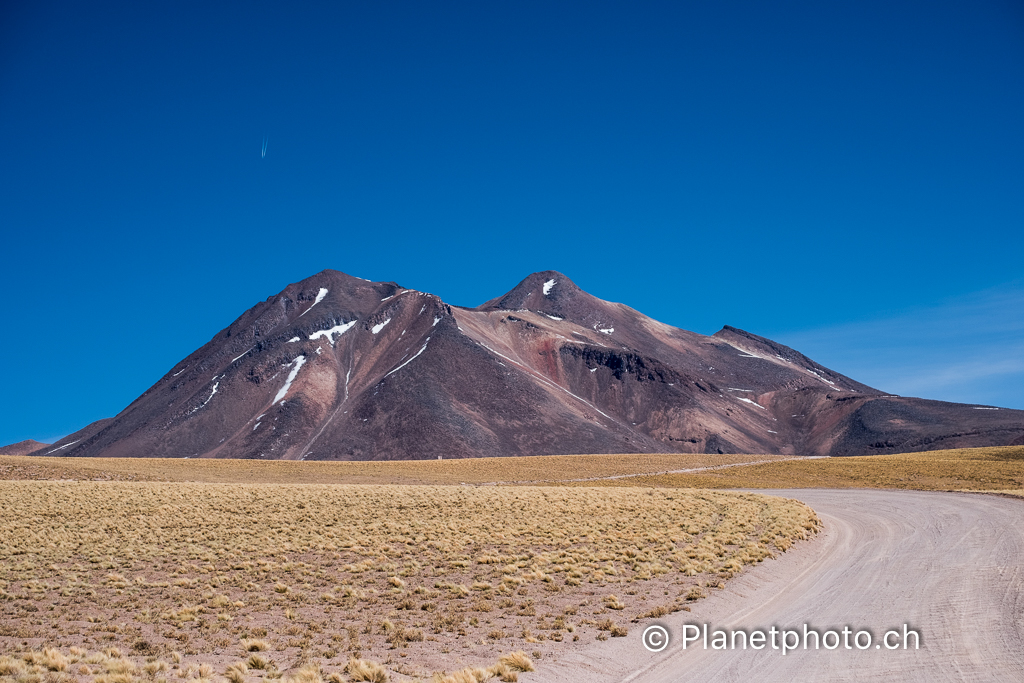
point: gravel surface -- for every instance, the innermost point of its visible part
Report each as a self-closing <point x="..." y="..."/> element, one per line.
<point x="949" y="565"/>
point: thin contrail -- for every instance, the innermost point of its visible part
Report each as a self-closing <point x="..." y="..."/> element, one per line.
<point x="264" y="147"/>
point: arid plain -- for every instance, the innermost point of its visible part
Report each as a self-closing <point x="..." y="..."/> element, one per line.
<point x="111" y="575"/>
<point x="118" y="570"/>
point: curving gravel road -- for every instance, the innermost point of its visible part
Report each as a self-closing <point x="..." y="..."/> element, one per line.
<point x="949" y="565"/>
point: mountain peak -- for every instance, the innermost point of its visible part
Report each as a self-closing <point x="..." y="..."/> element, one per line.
<point x="23" y="447"/>
<point x="329" y="277"/>
<point x="340" y="368"/>
<point x="538" y="291"/>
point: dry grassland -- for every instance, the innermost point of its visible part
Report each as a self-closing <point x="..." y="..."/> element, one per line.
<point x="470" y="471"/>
<point x="192" y="581"/>
<point x="1008" y="492"/>
<point x="968" y="469"/>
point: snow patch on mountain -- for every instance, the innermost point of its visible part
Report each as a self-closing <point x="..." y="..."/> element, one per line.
<point x="208" y="398"/>
<point x="319" y="297"/>
<point x="336" y="330"/>
<point x="298" y="363"/>
<point x="60" y="448"/>
<point x="411" y="359"/>
<point x="747" y="400"/>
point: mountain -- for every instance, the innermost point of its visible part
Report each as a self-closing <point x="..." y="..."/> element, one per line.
<point x="336" y="367"/>
<point x="23" y="447"/>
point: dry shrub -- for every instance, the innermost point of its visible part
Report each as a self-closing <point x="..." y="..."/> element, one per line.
<point x="517" y="661"/>
<point x="504" y="673"/>
<point x="310" y="673"/>
<point x="153" y="668"/>
<point x="501" y="671"/>
<point x="611" y="627"/>
<point x="657" y="612"/>
<point x="399" y="635"/>
<point x="119" y="665"/>
<point x="236" y="672"/>
<point x="481" y="605"/>
<point x="115" y="678"/>
<point x="695" y="593"/>
<point x="257" y="662"/>
<point x="50" y="659"/>
<point x="366" y="670"/>
<point x="254" y="645"/>
<point x="613" y="602"/>
<point x="11" y="666"/>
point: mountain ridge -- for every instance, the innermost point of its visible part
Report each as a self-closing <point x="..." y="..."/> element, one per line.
<point x="337" y="367"/>
<point x="23" y="447"/>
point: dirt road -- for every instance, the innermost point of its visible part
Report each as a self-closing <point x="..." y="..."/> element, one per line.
<point x="950" y="566"/>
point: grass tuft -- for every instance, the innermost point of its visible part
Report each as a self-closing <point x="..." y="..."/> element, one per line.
<point x="517" y="661"/>
<point x="366" y="670"/>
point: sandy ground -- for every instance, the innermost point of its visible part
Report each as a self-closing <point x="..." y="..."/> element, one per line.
<point x="949" y="565"/>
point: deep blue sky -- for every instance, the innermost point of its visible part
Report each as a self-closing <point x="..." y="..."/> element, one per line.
<point x="847" y="177"/>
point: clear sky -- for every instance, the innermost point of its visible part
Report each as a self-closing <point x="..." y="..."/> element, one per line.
<point x="846" y="177"/>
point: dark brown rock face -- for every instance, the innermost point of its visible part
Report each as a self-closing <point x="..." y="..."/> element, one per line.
<point x="335" y="367"/>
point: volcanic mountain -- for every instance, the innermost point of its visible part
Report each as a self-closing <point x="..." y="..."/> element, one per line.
<point x="22" y="447"/>
<point x="339" y="368"/>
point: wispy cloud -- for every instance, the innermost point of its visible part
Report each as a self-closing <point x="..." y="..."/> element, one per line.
<point x="969" y="350"/>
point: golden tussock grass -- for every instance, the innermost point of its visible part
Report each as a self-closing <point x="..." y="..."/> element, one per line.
<point x="364" y="670"/>
<point x="1018" y="493"/>
<point x="274" y="574"/>
<point x="506" y="669"/>
<point x="967" y="469"/>
<point x="111" y="666"/>
<point x="978" y="469"/>
<point x="469" y="470"/>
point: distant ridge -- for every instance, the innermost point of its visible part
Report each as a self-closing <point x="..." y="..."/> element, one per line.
<point x="22" y="447"/>
<point x="336" y="367"/>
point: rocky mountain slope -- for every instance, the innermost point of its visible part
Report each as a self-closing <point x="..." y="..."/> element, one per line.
<point x="335" y="367"/>
<point x="22" y="447"/>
